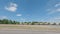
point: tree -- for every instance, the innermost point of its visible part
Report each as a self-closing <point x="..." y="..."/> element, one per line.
<point x="0" y="21"/>
<point x="59" y="23"/>
<point x="6" y="21"/>
<point x="48" y="24"/>
<point x="54" y="24"/>
<point x="32" y="23"/>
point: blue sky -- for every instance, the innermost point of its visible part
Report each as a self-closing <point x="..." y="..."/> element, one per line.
<point x="30" y="10"/>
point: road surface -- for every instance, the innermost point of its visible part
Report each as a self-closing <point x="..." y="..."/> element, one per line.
<point x="27" y="32"/>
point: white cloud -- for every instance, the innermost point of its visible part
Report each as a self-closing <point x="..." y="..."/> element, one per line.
<point x="11" y="7"/>
<point x="53" y="6"/>
<point x="54" y="11"/>
<point x="54" y="19"/>
<point x="58" y="4"/>
<point x="57" y="18"/>
<point x="3" y="17"/>
<point x="58" y="9"/>
<point x="23" y="19"/>
<point x="19" y="15"/>
<point x="51" y="11"/>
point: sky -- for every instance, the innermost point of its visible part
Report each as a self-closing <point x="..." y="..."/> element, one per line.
<point x="30" y="10"/>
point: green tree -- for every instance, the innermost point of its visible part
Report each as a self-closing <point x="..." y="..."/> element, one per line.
<point x="48" y="24"/>
<point x="54" y="24"/>
<point x="59" y="23"/>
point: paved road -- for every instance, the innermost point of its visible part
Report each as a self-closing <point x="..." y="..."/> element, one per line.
<point x="27" y="32"/>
